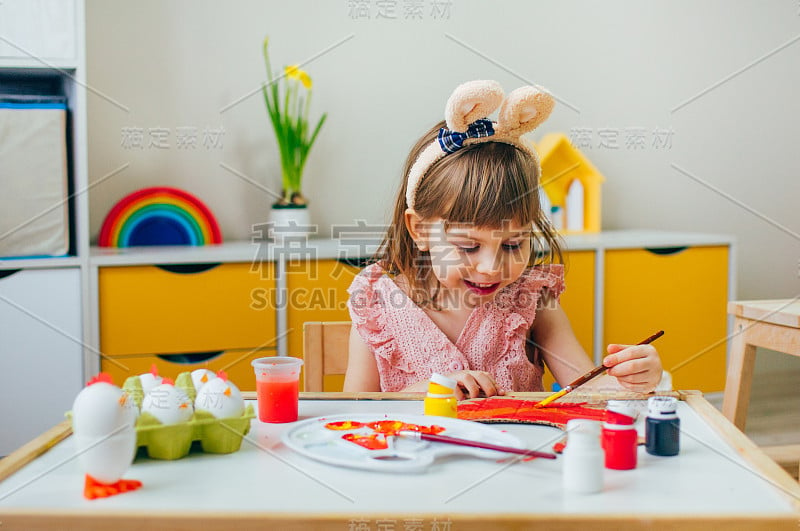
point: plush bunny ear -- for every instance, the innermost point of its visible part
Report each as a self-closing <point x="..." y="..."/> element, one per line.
<point x="472" y="101"/>
<point x="523" y="110"/>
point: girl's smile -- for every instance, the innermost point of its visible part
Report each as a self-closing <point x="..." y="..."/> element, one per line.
<point x="482" y="289"/>
<point x="474" y="263"/>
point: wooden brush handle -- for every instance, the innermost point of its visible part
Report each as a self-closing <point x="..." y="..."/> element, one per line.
<point x="600" y="369"/>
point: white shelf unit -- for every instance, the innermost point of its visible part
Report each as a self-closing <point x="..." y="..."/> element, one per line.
<point x="43" y="317"/>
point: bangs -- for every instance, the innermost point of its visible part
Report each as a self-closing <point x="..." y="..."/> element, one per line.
<point x="498" y="184"/>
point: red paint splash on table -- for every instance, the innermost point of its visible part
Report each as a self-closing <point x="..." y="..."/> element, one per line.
<point x="515" y="410"/>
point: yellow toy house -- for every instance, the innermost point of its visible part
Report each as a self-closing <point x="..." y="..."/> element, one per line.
<point x="571" y="182"/>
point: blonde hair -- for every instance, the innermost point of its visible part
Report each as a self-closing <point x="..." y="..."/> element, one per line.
<point x="486" y="185"/>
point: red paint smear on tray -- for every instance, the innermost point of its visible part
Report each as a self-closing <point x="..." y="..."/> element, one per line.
<point x="376" y="441"/>
<point x="381" y="429"/>
<point x="429" y="430"/>
<point x="344" y="425"/>
<point x="386" y="427"/>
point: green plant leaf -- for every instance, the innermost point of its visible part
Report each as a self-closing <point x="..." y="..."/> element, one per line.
<point x="288" y="102"/>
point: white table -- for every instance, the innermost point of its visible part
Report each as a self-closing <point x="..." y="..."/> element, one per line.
<point x="719" y="478"/>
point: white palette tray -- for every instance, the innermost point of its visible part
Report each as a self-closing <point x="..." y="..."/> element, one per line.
<point x="312" y="439"/>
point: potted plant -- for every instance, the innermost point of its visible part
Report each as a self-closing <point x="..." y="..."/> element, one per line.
<point x="288" y="99"/>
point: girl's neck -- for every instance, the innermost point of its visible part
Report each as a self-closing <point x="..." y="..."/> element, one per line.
<point x="444" y="301"/>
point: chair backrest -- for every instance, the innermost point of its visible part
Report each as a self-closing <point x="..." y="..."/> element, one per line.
<point x="325" y="351"/>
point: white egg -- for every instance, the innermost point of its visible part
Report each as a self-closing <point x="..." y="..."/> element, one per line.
<point x="149" y="381"/>
<point x="200" y="377"/>
<point x="103" y="418"/>
<point x="221" y="398"/>
<point x="169" y="404"/>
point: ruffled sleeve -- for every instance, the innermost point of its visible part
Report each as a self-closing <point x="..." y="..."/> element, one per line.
<point x="550" y="279"/>
<point x="537" y="286"/>
<point x="368" y="313"/>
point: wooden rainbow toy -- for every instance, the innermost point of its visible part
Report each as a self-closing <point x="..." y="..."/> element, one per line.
<point x="159" y="216"/>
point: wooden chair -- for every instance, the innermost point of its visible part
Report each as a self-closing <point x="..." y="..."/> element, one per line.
<point x="771" y="324"/>
<point x="325" y="349"/>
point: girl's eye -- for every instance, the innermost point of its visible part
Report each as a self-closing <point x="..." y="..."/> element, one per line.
<point x="512" y="246"/>
<point x="467" y="250"/>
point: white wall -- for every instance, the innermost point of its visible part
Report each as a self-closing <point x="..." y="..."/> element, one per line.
<point x="619" y="65"/>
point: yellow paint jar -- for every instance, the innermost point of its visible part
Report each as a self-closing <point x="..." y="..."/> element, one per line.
<point x="441" y="399"/>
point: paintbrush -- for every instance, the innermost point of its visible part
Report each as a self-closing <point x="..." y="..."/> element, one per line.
<point x="597" y="371"/>
<point x="474" y="444"/>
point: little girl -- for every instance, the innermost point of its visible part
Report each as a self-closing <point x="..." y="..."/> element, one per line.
<point x="466" y="282"/>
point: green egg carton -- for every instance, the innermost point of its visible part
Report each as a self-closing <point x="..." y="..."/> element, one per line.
<point x="215" y="436"/>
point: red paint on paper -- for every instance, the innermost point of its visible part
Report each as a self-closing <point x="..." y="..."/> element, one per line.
<point x="523" y="411"/>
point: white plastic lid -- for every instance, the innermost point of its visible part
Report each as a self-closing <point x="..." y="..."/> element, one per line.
<point x="277" y="365"/>
<point x="443" y="380"/>
<point x="662" y="405"/>
<point x="583" y="433"/>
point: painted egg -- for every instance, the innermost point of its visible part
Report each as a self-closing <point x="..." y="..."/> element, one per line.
<point x="103" y="418"/>
<point x="200" y="377"/>
<point x="221" y="398"/>
<point x="169" y="404"/>
<point x="149" y="381"/>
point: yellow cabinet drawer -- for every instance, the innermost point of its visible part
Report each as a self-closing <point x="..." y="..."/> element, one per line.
<point x="186" y="308"/>
<point x="578" y="298"/>
<point x="683" y="291"/>
<point x="236" y="364"/>
<point x="317" y="292"/>
<point x="578" y="301"/>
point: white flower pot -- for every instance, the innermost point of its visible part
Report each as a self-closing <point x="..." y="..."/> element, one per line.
<point x="290" y="224"/>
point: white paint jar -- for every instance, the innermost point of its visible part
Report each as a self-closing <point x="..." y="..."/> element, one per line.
<point x="583" y="457"/>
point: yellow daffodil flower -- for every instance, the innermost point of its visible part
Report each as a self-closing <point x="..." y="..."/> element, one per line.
<point x="294" y="72"/>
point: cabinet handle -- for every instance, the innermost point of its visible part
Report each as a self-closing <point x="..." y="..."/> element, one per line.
<point x="190" y="358"/>
<point x="665" y="251"/>
<point x="188" y="269"/>
<point x="8" y="272"/>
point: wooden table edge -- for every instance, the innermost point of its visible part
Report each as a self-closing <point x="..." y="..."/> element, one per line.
<point x="101" y="520"/>
<point x="767" y="469"/>
<point x="34" y="448"/>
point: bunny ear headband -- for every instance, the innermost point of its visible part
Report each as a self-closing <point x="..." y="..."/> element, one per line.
<point x="465" y="114"/>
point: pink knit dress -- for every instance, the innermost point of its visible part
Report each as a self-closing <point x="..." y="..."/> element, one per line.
<point x="408" y="346"/>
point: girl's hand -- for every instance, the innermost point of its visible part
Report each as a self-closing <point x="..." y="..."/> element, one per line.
<point x="637" y="367"/>
<point x="474" y="384"/>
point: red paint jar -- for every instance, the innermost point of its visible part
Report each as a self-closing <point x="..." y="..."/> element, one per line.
<point x="619" y="437"/>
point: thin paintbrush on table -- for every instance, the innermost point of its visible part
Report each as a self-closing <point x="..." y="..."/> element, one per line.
<point x="597" y="371"/>
<point x="474" y="444"/>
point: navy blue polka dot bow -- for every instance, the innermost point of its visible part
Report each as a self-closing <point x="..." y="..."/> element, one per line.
<point x="452" y="141"/>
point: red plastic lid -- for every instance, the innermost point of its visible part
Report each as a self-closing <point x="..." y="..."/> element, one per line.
<point x="615" y="417"/>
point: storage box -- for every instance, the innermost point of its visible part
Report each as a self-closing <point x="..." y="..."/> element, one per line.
<point x="34" y="205"/>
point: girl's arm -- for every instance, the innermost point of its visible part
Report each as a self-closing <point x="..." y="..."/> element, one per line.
<point x="362" y="369"/>
<point x="552" y="334"/>
<point x="362" y="374"/>
<point x="636" y="367"/>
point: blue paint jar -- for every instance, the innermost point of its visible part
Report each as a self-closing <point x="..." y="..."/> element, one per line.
<point x="662" y="426"/>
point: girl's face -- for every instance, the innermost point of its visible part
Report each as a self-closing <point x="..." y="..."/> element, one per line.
<point x="474" y="263"/>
